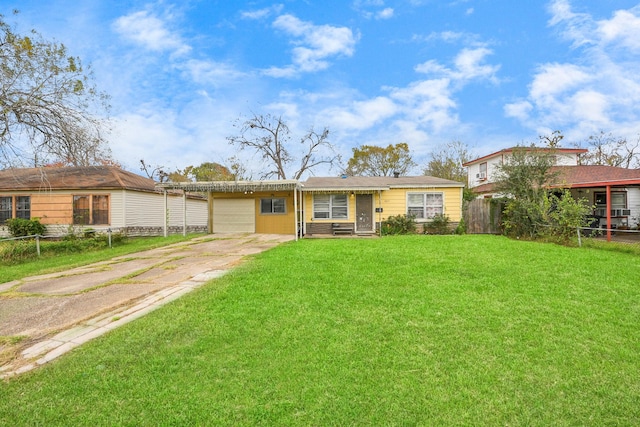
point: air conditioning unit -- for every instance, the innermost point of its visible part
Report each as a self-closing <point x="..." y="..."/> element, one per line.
<point x="481" y="175"/>
<point x="620" y="212"/>
<point x="601" y="212"/>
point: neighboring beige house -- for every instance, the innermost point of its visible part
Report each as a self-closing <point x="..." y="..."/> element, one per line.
<point x="96" y="197"/>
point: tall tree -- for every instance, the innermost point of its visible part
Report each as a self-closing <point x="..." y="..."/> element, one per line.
<point x="447" y="162"/>
<point x="270" y="137"/>
<point x="209" y="171"/>
<point x="47" y="104"/>
<point x="371" y="160"/>
<point x="524" y="177"/>
<point x="609" y="150"/>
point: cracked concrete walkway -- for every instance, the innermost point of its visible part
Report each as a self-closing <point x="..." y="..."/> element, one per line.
<point x="57" y="312"/>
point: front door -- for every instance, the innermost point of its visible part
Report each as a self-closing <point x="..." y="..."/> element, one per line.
<point x="364" y="212"/>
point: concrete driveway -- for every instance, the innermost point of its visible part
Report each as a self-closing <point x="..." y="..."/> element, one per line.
<point x="57" y="312"/>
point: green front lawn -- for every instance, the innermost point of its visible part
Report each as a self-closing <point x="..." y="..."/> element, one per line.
<point x="417" y="330"/>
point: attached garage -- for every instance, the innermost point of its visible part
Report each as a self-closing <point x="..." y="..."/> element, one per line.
<point x="234" y="216"/>
<point x="263" y="207"/>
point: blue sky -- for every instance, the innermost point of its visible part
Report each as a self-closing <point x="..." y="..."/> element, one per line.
<point x="490" y="73"/>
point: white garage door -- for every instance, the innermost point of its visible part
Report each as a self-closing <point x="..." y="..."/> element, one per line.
<point x="234" y="216"/>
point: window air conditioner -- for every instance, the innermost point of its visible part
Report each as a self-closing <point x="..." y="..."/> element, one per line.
<point x="626" y="212"/>
<point x="482" y="175"/>
<point x="619" y="212"/>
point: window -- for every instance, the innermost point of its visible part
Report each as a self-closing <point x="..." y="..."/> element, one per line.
<point x="425" y="205"/>
<point x="618" y="200"/>
<point x="23" y="207"/>
<point x="6" y="208"/>
<point x="272" y="206"/>
<point x="100" y="214"/>
<point x="483" y="171"/>
<point x="330" y="206"/>
<point x="90" y="210"/>
<point x="81" y="210"/>
<point x="618" y="204"/>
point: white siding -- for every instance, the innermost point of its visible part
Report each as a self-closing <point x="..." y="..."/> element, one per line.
<point x="143" y="209"/>
<point x="117" y="203"/>
<point x="197" y="212"/>
<point x="564" y="159"/>
<point x="633" y="203"/>
<point x="147" y="210"/>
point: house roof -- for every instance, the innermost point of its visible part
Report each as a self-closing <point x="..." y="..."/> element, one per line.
<point x="370" y="183"/>
<point x="512" y="149"/>
<point x="73" y="178"/>
<point x="596" y="176"/>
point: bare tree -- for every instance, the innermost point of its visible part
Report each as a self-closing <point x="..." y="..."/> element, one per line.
<point x="270" y="137"/>
<point x="609" y="150"/>
<point x="157" y="172"/>
<point x="447" y="162"/>
<point x="47" y="100"/>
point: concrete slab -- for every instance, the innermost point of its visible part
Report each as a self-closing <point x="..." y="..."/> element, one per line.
<point x="63" y="310"/>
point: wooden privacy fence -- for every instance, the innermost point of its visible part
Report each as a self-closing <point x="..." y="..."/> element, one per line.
<point x="483" y="216"/>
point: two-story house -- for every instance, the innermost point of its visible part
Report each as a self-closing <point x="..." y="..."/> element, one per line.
<point x="613" y="191"/>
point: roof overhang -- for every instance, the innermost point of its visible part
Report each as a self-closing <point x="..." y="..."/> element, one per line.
<point x="232" y="186"/>
<point x="361" y="190"/>
<point x="612" y="183"/>
<point x="371" y="189"/>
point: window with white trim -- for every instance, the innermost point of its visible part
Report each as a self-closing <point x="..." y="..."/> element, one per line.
<point x="425" y="205"/>
<point x="273" y="206"/>
<point x="330" y="206"/>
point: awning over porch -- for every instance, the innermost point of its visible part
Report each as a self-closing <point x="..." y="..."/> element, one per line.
<point x="241" y="187"/>
<point x="232" y="186"/>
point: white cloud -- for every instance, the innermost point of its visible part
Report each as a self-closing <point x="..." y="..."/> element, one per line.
<point x="149" y="31"/>
<point x="468" y="65"/>
<point x="519" y="110"/>
<point x="385" y="13"/>
<point x="622" y="29"/>
<point x="211" y="72"/>
<point x="362" y="114"/>
<point x="262" y="13"/>
<point x="599" y="89"/>
<point x="315" y="44"/>
<point x="553" y="80"/>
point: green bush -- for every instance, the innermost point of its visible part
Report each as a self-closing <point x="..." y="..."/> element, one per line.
<point x="438" y="225"/>
<point x="17" y="251"/>
<point x="462" y="227"/>
<point x="399" y="224"/>
<point x="19" y="227"/>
